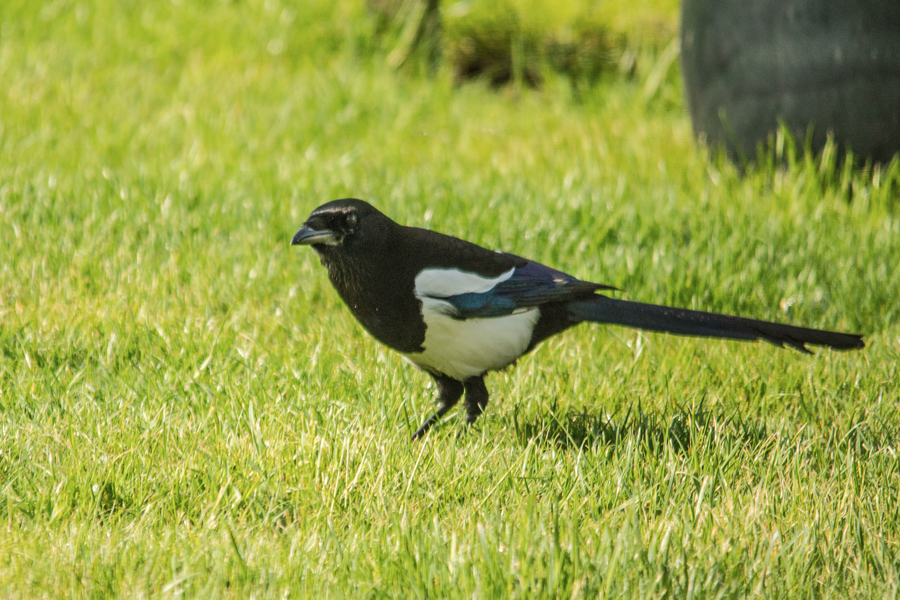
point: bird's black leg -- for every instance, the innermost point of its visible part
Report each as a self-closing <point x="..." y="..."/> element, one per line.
<point x="449" y="393"/>
<point x="476" y="400"/>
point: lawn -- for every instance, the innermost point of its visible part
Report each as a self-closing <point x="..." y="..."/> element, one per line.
<point x="187" y="409"/>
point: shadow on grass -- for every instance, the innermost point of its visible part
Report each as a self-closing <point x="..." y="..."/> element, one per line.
<point x="689" y="426"/>
<point x="864" y="435"/>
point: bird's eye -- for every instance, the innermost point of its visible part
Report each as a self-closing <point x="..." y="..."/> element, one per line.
<point x="350" y="219"/>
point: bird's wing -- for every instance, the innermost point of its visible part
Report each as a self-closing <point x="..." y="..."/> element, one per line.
<point x="467" y="295"/>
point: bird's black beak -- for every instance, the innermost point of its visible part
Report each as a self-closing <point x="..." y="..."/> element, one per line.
<point x="307" y="236"/>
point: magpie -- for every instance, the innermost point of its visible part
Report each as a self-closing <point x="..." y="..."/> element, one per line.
<point x="459" y="311"/>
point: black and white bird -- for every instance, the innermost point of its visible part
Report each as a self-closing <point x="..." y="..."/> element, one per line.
<point x="459" y="311"/>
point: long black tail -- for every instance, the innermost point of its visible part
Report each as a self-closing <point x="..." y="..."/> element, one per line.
<point x="680" y="321"/>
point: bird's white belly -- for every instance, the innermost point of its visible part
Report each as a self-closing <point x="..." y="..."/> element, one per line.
<point x="466" y="348"/>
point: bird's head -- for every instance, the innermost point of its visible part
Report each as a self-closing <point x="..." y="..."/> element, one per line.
<point x="341" y="225"/>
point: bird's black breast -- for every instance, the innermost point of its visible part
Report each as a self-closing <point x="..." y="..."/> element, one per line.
<point x="382" y="301"/>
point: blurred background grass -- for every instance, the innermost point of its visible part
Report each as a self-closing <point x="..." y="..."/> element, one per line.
<point x="186" y="408"/>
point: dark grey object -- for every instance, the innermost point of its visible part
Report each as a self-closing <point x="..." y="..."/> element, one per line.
<point x="829" y="66"/>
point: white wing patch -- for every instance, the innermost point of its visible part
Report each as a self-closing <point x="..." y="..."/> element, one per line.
<point x="440" y="283"/>
<point x="462" y="348"/>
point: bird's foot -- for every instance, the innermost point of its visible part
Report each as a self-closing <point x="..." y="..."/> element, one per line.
<point x="421" y="431"/>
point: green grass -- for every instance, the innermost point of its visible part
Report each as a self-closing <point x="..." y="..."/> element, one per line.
<point x="186" y="409"/>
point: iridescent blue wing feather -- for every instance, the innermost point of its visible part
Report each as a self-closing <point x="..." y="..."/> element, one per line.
<point x="530" y="285"/>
